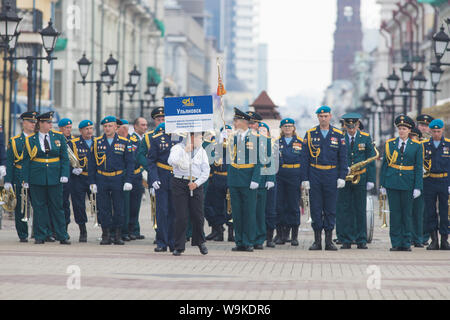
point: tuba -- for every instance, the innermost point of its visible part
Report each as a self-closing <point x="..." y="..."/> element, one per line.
<point x="306" y="204"/>
<point x="9" y="200"/>
<point x="356" y="170"/>
<point x="24" y="206"/>
<point x="93" y="207"/>
<point x="382" y="205"/>
<point x="153" y="210"/>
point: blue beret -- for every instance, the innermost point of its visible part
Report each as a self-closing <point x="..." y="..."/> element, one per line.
<point x="287" y="121"/>
<point x="437" y="124"/>
<point x="226" y="127"/>
<point x="64" y="122"/>
<point x="323" y="109"/>
<point x="124" y="121"/>
<point x="161" y="127"/>
<point x="85" y="123"/>
<point x="263" y="124"/>
<point x="108" y="119"/>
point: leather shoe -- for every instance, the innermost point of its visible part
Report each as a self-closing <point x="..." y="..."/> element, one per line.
<point x="50" y="239"/>
<point x="346" y="246"/>
<point x="64" y="241"/>
<point x="203" y="249"/>
<point x="24" y="240"/>
<point x="37" y="241"/>
<point x="126" y="238"/>
<point x="177" y="252"/>
<point x="140" y="237"/>
<point x="395" y="249"/>
<point x="248" y="249"/>
<point x="337" y="241"/>
<point x="406" y="249"/>
<point x="362" y="246"/>
<point x="418" y="245"/>
<point x="237" y="248"/>
<point x="258" y="247"/>
<point x="132" y="237"/>
<point x="160" y="249"/>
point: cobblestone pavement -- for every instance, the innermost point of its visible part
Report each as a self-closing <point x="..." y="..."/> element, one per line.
<point x="135" y="271"/>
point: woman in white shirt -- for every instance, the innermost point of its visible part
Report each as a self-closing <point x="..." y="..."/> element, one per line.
<point x="188" y="158"/>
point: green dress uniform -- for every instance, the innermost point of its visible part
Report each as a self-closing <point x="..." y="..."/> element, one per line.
<point x="401" y="173"/>
<point x="351" y="203"/>
<point x="243" y="170"/>
<point x="14" y="165"/>
<point x="43" y="171"/>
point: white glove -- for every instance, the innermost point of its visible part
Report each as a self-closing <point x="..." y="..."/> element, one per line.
<point x="269" y="185"/>
<point x="306" y="185"/>
<point x="156" y="185"/>
<point x="383" y="191"/>
<point x="93" y="188"/>
<point x="64" y="180"/>
<point x="416" y="193"/>
<point x="8" y="186"/>
<point x="223" y="136"/>
<point x="448" y="190"/>
<point x="2" y="171"/>
<point x="77" y="171"/>
<point x="127" y="187"/>
<point x="152" y="192"/>
<point x="25" y="185"/>
<point x="370" y="186"/>
<point x="340" y="183"/>
<point x="349" y="170"/>
<point x="254" y="185"/>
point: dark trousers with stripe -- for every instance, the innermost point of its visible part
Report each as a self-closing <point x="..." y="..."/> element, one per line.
<point x="110" y="201"/>
<point x="400" y="206"/>
<point x="271" y="212"/>
<point x="243" y="203"/>
<point x="21" y="227"/>
<point x="323" y="198"/>
<point x="79" y="192"/>
<point x="351" y="214"/>
<point x="215" y="201"/>
<point x="66" y="200"/>
<point x="165" y="211"/>
<point x="436" y="190"/>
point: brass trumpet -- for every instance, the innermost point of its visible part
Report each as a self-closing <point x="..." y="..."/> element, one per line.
<point x="24" y="208"/>
<point x="229" y="209"/>
<point x="8" y="197"/>
<point x="382" y="209"/>
<point x="93" y="206"/>
<point x="153" y="210"/>
<point x="357" y="169"/>
<point x="306" y="205"/>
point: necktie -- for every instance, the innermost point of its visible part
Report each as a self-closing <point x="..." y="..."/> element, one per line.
<point x="46" y="145"/>
<point x="402" y="149"/>
<point x="352" y="144"/>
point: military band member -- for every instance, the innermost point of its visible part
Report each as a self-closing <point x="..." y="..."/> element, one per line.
<point x="325" y="155"/>
<point x="45" y="169"/>
<point x="65" y="127"/>
<point x="401" y="178"/>
<point x="423" y="124"/>
<point x="437" y="185"/>
<point x="109" y="176"/>
<point x="289" y="178"/>
<point x="79" y="178"/>
<point x="144" y="147"/>
<point x="418" y="209"/>
<point x="351" y="205"/>
<point x="160" y="178"/>
<point x="14" y="165"/>
<point x="244" y="175"/>
<point x="140" y="128"/>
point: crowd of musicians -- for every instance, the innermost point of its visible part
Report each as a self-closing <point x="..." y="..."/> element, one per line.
<point x="253" y="185"/>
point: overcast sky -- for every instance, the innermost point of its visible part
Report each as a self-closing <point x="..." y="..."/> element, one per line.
<point x="300" y="38"/>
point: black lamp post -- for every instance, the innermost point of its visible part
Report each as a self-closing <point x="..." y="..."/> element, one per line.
<point x="382" y="95"/>
<point x="106" y="77"/>
<point x="369" y="103"/>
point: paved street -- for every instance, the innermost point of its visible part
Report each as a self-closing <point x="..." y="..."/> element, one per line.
<point x="134" y="271"/>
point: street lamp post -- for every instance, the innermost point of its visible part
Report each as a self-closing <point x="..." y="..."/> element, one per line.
<point x="106" y="77"/>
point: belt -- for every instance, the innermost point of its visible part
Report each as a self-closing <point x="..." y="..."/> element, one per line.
<point x="242" y="166"/>
<point x="164" y="166"/>
<point x="291" y="166"/>
<point x="49" y="160"/>
<point x="318" y="166"/>
<point x="18" y="166"/>
<point x="439" y="175"/>
<point x="185" y="177"/>
<point x="221" y="173"/>
<point x="403" y="168"/>
<point x="110" y="174"/>
<point x="84" y="174"/>
<point x="138" y="170"/>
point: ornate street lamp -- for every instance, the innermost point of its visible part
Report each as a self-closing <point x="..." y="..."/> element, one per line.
<point x="49" y="36"/>
<point x="111" y="66"/>
<point x="9" y="22"/>
<point x="407" y="73"/>
<point x="441" y="40"/>
<point x="83" y="65"/>
<point x="393" y="81"/>
<point x="135" y="76"/>
<point x="382" y="93"/>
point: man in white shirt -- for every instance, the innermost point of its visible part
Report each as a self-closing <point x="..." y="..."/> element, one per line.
<point x="190" y="169"/>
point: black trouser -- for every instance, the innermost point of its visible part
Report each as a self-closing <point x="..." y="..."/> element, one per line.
<point x="187" y="206"/>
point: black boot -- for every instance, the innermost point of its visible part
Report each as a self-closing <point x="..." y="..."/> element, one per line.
<point x="219" y="236"/>
<point x="230" y="234"/>
<point x="118" y="237"/>
<point x="444" y="242"/>
<point x="280" y="235"/>
<point x="329" y="245"/>
<point x="106" y="238"/>
<point x="83" y="233"/>
<point x="269" y="239"/>
<point x="294" y="241"/>
<point x="213" y="233"/>
<point x="67" y="228"/>
<point x="317" y="245"/>
<point x="285" y="233"/>
<point x="434" y="245"/>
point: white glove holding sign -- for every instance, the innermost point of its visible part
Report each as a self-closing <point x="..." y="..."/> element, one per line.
<point x="156" y="185"/>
